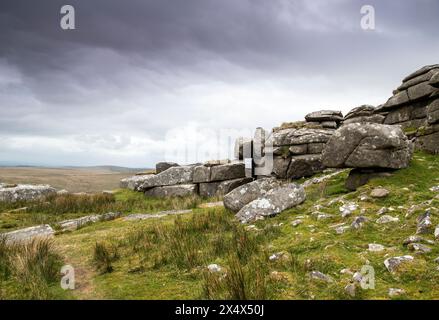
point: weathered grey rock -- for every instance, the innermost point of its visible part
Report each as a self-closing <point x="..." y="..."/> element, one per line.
<point x="24" y="192"/>
<point x="399" y="115"/>
<point x="289" y="137"/>
<point x="398" y="99"/>
<point x="434" y="81"/>
<point x="392" y="264"/>
<point x="350" y="290"/>
<point x="373" y="247"/>
<point x="425" y="225"/>
<point x="27" y="234"/>
<point x="74" y="224"/>
<point x="395" y="292"/>
<point x="245" y="194"/>
<point x="361" y="111"/>
<point x="213" y="163"/>
<point x="305" y="166"/>
<point x="413" y="239"/>
<point x="162" y="166"/>
<point x="429" y="143"/>
<point x="227" y="186"/>
<point x="324" y="115"/>
<point x="169" y="177"/>
<point x="416" y="80"/>
<point x="201" y="174"/>
<point x="420" y="90"/>
<point x="315" y="148"/>
<point x="360" y="177"/>
<point x="280" y="166"/>
<point x="376" y="118"/>
<point x="387" y="219"/>
<point x="368" y="145"/>
<point x="227" y="172"/>
<point x="329" y="124"/>
<point x="421" y="71"/>
<point x="162" y="214"/>
<point x="181" y="190"/>
<point x="358" y="222"/>
<point x="134" y="182"/>
<point x="296" y="222"/>
<point x="299" y="149"/>
<point x="317" y="275"/>
<point x="419" y="248"/>
<point x="347" y="209"/>
<point x="272" y="203"/>
<point x="379" y="193"/>
<point x="433" y="112"/>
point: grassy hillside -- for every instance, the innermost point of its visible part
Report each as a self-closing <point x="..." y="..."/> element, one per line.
<point x="167" y="258"/>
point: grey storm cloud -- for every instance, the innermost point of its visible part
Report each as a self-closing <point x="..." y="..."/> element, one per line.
<point x="132" y="71"/>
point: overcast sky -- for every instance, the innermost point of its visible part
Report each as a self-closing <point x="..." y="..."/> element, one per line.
<point x="141" y="81"/>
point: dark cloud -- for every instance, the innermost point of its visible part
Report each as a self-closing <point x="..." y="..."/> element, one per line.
<point x="132" y="71"/>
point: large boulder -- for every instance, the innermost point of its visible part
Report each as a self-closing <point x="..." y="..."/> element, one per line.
<point x="272" y="203"/>
<point x="162" y="166"/>
<point x="24" y="192"/>
<point x="368" y="145"/>
<point x="169" y="177"/>
<point x="181" y="190"/>
<point x="246" y="193"/>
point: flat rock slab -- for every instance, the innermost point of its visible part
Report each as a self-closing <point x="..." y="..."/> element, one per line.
<point x="272" y="203"/>
<point x="181" y="190"/>
<point x="169" y="177"/>
<point x="145" y="216"/>
<point x="24" y="192"/>
<point x="74" y="224"/>
<point x="290" y="137"/>
<point x="28" y="234"/>
<point x="324" y="115"/>
<point x="227" y="172"/>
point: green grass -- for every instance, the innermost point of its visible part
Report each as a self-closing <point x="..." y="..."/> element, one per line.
<point x="54" y="209"/>
<point x="167" y="258"/>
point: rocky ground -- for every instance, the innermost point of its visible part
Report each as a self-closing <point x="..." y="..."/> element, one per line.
<point x="195" y="248"/>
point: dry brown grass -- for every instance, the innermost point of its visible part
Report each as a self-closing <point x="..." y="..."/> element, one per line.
<point x="73" y="180"/>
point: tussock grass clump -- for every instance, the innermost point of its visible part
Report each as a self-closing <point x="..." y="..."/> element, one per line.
<point x="71" y="203"/>
<point x="191" y="243"/>
<point x="103" y="257"/>
<point x="239" y="281"/>
<point x="34" y="265"/>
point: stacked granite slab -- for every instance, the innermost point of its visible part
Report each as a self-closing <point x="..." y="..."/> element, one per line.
<point x="363" y="114"/>
<point x="213" y="178"/>
<point x="415" y="107"/>
<point x="297" y="146"/>
<point x="216" y="178"/>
